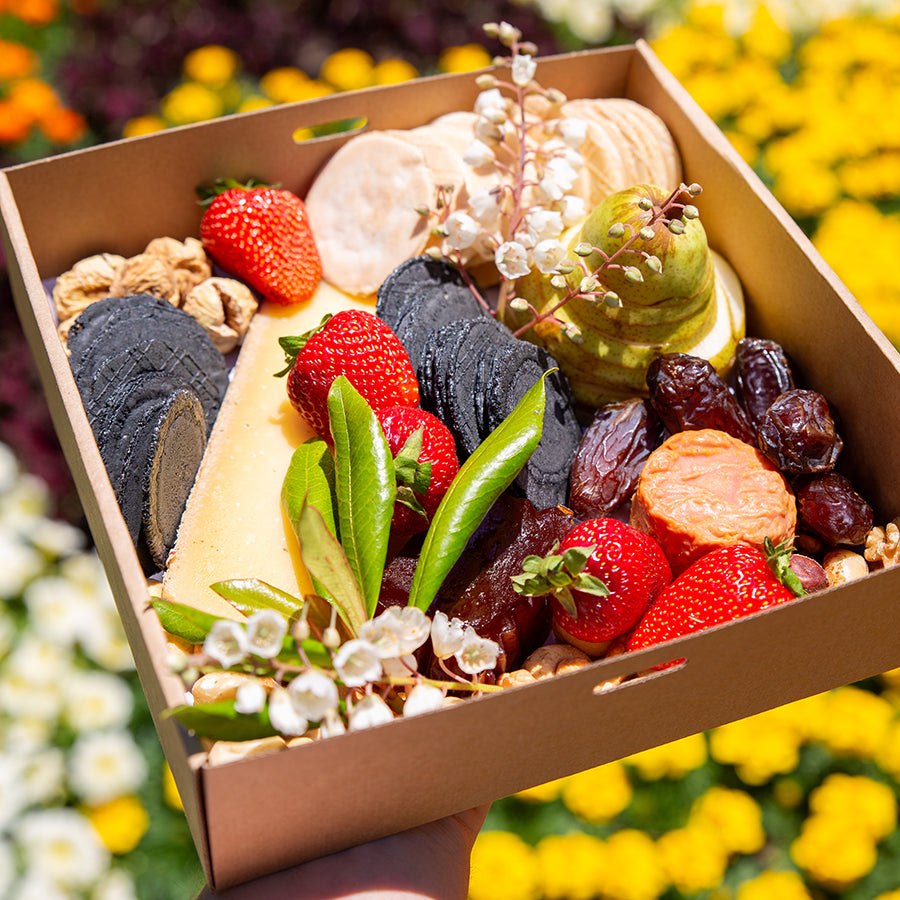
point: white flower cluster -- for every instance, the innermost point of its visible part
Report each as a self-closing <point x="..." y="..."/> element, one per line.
<point x="65" y="704"/>
<point x="536" y="160"/>
<point x="383" y="653"/>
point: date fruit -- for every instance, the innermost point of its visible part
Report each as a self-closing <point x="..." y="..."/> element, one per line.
<point x="762" y="374"/>
<point x="830" y="508"/>
<point x="688" y="395"/>
<point x="479" y="589"/>
<point x="798" y="433"/>
<point x="610" y="457"/>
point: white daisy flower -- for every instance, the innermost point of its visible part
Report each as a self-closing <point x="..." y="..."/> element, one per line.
<point x="104" y="765"/>
<point x="96" y="700"/>
<point x="62" y="844"/>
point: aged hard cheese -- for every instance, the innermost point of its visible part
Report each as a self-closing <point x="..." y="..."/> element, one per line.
<point x="233" y="525"/>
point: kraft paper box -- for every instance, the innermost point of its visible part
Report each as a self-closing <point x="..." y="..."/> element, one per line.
<point x="261" y="814"/>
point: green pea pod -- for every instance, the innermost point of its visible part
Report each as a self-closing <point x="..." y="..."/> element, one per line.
<point x="365" y="487"/>
<point x="250" y="595"/>
<point x="481" y="479"/>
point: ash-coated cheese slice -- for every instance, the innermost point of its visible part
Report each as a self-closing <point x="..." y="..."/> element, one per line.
<point x="233" y="524"/>
<point x="704" y="489"/>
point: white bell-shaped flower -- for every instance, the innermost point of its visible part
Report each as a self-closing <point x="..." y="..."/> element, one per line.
<point x="447" y="635"/>
<point x="423" y="698"/>
<point x="226" y="642"/>
<point x="315" y="694"/>
<point x="511" y="259"/>
<point x="266" y="630"/>
<point x="284" y="715"/>
<point x="477" y="654"/>
<point x="357" y="662"/>
<point x="371" y="710"/>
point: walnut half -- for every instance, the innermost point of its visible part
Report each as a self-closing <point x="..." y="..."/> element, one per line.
<point x="224" y="307"/>
<point x="883" y="544"/>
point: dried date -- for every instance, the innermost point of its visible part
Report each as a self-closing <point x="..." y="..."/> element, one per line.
<point x="762" y="374"/>
<point x="688" y="394"/>
<point x="798" y="433"/>
<point x="830" y="508"/>
<point x="611" y="454"/>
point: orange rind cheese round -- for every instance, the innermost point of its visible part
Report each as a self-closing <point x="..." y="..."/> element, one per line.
<point x="704" y="489"/>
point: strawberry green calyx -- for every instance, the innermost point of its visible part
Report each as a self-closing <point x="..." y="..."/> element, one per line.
<point x="412" y="472"/>
<point x="206" y="194"/>
<point x="292" y="344"/>
<point x="557" y="574"/>
<point x="778" y="556"/>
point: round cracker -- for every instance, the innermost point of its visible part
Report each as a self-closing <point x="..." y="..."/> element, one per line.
<point x="363" y="210"/>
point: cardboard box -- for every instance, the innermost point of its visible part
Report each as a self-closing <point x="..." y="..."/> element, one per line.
<point x="263" y="814"/>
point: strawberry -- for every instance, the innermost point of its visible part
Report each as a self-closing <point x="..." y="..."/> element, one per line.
<point x="262" y="235"/>
<point x="425" y="462"/>
<point x="722" y="585"/>
<point x="354" y="343"/>
<point x="601" y="579"/>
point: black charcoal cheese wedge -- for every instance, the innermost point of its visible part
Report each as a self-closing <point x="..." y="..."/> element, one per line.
<point x="126" y="336"/>
<point x="93" y="321"/>
<point x="516" y="367"/>
<point x="177" y="444"/>
<point x="406" y="286"/>
<point x="192" y="364"/>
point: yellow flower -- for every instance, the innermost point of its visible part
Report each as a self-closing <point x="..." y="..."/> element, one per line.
<point x="503" y="867"/>
<point x="889" y="895"/>
<point x="862" y="802"/>
<point x="774" y="886"/>
<point x="572" y="866"/>
<point x="599" y="794"/>
<point x="191" y="102"/>
<point x="672" y="760"/>
<point x="542" y="793"/>
<point x="464" y="58"/>
<point x="142" y="125"/>
<point x="693" y="858"/>
<point x="394" y="71"/>
<point x="767" y="38"/>
<point x="788" y="792"/>
<point x="290" y="85"/>
<point x="634" y="869"/>
<point x="170" y="789"/>
<point x="759" y="747"/>
<point x="348" y="69"/>
<point x="833" y="852"/>
<point x="212" y="65"/>
<point x="732" y="814"/>
<point x="121" y="823"/>
<point x="858" y="720"/>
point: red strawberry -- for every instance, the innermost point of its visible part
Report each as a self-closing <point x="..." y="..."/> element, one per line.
<point x="354" y="343"/>
<point x="722" y="585"/>
<point x="602" y="579"/>
<point x="262" y="236"/>
<point x="425" y="461"/>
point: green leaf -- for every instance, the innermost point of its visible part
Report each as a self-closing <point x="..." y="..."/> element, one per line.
<point x="250" y="595"/>
<point x="365" y="486"/>
<point x="185" y="622"/>
<point x="310" y="478"/>
<point x="329" y="567"/>
<point x="220" y="721"/>
<point x="481" y="479"/>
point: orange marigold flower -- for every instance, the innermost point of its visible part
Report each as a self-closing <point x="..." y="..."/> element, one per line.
<point x="16" y="60"/>
<point x="63" y="126"/>
<point x="15" y="123"/>
<point x="34" y="12"/>
<point x="34" y="97"/>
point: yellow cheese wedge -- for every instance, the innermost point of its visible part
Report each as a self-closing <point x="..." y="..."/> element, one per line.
<point x="233" y="525"/>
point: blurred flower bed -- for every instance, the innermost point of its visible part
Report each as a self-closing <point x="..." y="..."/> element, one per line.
<point x="799" y="803"/>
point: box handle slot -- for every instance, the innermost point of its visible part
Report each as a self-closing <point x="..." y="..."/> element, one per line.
<point x="345" y="127"/>
<point x="629" y="679"/>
